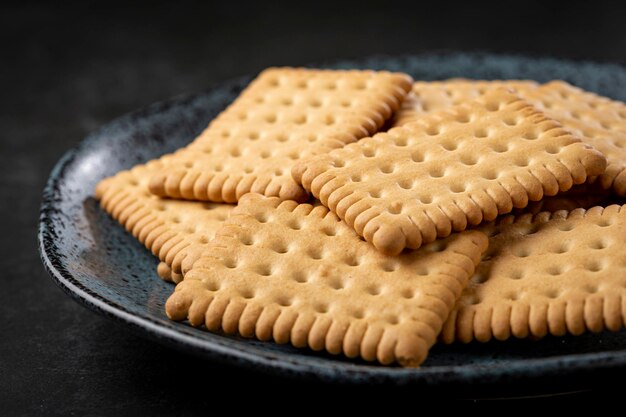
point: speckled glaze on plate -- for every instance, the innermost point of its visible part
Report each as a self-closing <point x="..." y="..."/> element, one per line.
<point x="95" y="261"/>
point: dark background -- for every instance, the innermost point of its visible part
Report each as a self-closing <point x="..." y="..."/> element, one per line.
<point x="65" y="70"/>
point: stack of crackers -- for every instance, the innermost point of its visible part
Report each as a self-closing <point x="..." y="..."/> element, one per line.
<point x="300" y="216"/>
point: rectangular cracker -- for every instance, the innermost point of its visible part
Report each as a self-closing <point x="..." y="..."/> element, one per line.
<point x="296" y="273"/>
<point x="283" y="115"/>
<point x="556" y="273"/>
<point x="429" y="96"/>
<point x="174" y="231"/>
<point x="448" y="170"/>
<point x="597" y="120"/>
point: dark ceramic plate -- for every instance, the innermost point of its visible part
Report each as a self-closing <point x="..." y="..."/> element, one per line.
<point x="95" y="261"/>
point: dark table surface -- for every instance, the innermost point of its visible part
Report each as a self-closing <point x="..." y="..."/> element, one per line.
<point x="67" y="70"/>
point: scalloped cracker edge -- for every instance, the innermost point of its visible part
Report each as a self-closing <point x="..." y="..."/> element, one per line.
<point x="174" y="231"/>
<point x="164" y="271"/>
<point x="283" y="115"/>
<point x="584" y="196"/>
<point x="597" y="120"/>
<point x="296" y="274"/>
<point x="449" y="170"/>
<point x="556" y="273"/>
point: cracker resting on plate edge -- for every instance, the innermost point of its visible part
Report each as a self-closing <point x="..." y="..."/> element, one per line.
<point x="552" y="273"/>
<point x="174" y="231"/>
<point x="296" y="274"/>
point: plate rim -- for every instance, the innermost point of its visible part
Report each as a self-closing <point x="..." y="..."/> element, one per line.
<point x="238" y="353"/>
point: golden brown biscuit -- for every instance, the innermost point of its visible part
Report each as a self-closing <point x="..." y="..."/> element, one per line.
<point x="172" y="230"/>
<point x="296" y="273"/>
<point x="556" y="273"/>
<point x="597" y="120"/>
<point x="283" y="115"/>
<point x="448" y="170"/>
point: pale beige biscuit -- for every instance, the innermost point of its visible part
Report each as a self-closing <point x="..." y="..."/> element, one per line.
<point x="556" y="273"/>
<point x="283" y="115"/>
<point x="429" y="96"/>
<point x="172" y="230"/>
<point x="599" y="121"/>
<point x="448" y="170"/>
<point x="297" y="274"/>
